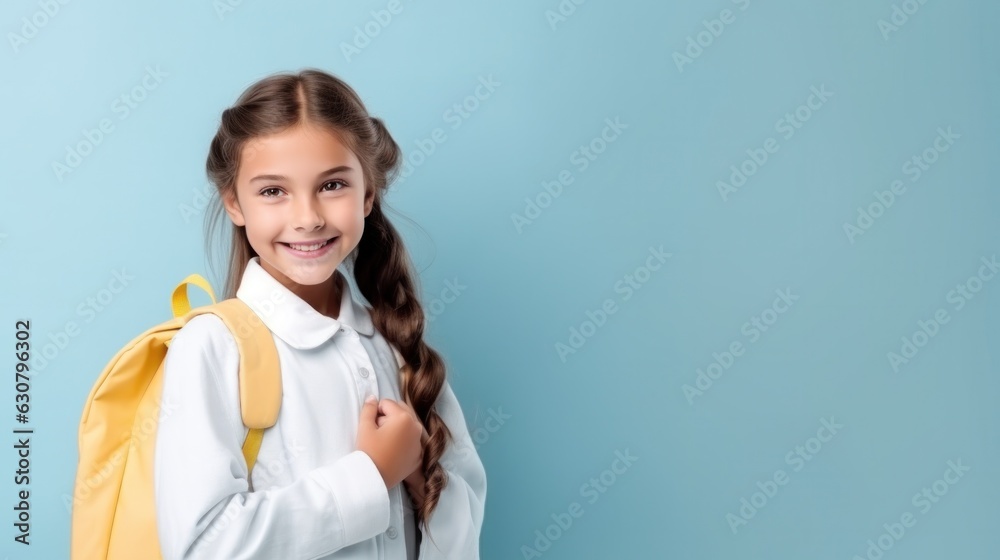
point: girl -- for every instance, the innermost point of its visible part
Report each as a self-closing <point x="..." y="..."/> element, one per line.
<point x="362" y="462"/>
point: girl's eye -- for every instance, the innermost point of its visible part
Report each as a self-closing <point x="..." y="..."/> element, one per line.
<point x="277" y="190"/>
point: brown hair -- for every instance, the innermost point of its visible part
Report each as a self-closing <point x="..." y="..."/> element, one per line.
<point x="381" y="266"/>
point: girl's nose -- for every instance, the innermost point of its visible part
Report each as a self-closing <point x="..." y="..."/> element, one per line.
<point x="306" y="217"/>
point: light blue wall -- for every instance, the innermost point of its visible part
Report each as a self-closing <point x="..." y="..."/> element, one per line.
<point x="919" y="88"/>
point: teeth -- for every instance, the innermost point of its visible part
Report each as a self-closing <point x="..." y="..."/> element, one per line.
<point x="307" y="247"/>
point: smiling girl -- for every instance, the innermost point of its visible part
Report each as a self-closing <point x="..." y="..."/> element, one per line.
<point x="365" y="459"/>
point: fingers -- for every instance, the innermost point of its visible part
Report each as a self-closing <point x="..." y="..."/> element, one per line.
<point x="369" y="410"/>
<point x="389" y="406"/>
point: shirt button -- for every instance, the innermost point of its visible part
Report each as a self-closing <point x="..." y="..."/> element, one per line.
<point x="392" y="532"/>
<point x="364" y="372"/>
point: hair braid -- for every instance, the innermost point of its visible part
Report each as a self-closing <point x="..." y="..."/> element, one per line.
<point x="383" y="272"/>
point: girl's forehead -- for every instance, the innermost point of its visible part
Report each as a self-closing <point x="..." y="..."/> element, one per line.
<point x="296" y="135"/>
<point x="303" y="147"/>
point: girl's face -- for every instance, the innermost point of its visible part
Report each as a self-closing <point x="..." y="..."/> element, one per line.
<point x="295" y="190"/>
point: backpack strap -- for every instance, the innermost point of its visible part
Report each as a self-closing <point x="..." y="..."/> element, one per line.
<point x="260" y="379"/>
<point x="251" y="446"/>
<point x="179" y="299"/>
<point x="259" y="370"/>
<point x="260" y="376"/>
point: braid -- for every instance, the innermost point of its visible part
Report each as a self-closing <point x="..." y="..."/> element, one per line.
<point x="384" y="276"/>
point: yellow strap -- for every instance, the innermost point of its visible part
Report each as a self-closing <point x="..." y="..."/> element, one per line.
<point x="260" y="368"/>
<point x="179" y="299"/>
<point x="260" y="380"/>
<point x="251" y="446"/>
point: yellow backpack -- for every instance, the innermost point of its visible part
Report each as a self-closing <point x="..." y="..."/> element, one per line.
<point x="113" y="515"/>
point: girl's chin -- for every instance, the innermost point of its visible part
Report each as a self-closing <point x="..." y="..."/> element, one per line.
<point x="304" y="273"/>
<point x="310" y="275"/>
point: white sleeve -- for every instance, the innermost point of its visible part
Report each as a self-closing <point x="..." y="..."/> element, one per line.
<point x="456" y="523"/>
<point x="203" y="507"/>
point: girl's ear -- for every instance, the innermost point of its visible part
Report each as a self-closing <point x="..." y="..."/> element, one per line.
<point x="233" y="209"/>
<point x="369" y="202"/>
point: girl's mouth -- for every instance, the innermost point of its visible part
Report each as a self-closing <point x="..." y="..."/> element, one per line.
<point x="311" y="251"/>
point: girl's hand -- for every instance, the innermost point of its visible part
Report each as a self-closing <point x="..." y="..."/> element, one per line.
<point x="394" y="443"/>
<point x="414" y="482"/>
<point x="382" y="416"/>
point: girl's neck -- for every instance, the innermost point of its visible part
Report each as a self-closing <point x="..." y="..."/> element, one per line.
<point x="324" y="298"/>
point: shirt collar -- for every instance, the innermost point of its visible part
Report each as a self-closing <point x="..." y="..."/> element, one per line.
<point x="290" y="317"/>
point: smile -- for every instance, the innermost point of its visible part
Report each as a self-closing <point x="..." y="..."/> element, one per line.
<point x="311" y="251"/>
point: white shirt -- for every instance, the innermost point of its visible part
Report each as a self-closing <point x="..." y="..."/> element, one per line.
<point x="312" y="494"/>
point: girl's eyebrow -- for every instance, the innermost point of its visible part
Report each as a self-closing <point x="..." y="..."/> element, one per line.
<point x="330" y="171"/>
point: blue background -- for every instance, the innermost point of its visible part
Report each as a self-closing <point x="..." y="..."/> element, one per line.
<point x="128" y="205"/>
